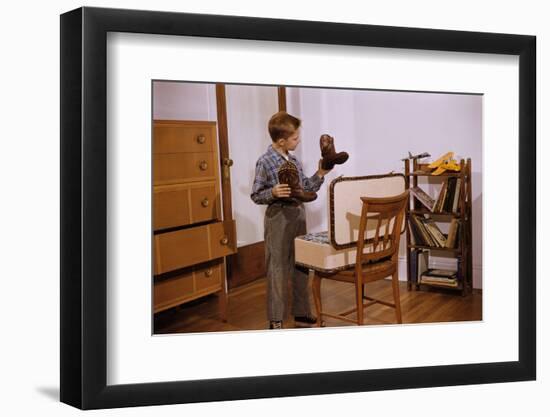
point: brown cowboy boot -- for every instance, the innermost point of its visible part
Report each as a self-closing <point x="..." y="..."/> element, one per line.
<point x="288" y="174"/>
<point x="330" y="157"/>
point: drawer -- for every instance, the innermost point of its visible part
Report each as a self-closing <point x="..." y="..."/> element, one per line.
<point x="183" y="248"/>
<point x="175" y="137"/>
<point x="223" y="239"/>
<point x="171" y="207"/>
<point x="173" y="168"/>
<point x="183" y="204"/>
<point x="209" y="276"/>
<point x="173" y="291"/>
<point x="205" y="204"/>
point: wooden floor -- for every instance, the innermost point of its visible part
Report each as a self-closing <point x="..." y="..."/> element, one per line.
<point x="247" y="308"/>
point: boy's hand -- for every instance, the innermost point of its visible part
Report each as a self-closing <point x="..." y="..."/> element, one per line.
<point x="322" y="172"/>
<point x="281" y="191"/>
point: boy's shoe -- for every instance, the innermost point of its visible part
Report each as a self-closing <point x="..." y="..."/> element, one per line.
<point x="275" y="325"/>
<point x="305" y="320"/>
<point x="329" y="154"/>
<point x="288" y="174"/>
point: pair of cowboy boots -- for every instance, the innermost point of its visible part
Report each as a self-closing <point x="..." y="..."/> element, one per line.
<point x="329" y="154"/>
<point x="288" y="174"/>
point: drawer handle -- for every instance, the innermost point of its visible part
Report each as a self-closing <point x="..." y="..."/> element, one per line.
<point x="203" y="166"/>
<point x="208" y="272"/>
<point x="224" y="240"/>
<point x="201" y="139"/>
<point x="205" y="202"/>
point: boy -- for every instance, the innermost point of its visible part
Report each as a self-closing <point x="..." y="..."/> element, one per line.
<point x="284" y="220"/>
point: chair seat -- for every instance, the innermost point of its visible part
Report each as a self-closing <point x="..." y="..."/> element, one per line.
<point x="371" y="272"/>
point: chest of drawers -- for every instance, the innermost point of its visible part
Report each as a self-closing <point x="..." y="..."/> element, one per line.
<point x="190" y="238"/>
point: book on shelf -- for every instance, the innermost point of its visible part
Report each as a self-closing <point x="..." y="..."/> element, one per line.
<point x="415" y="237"/>
<point x="441" y="273"/>
<point x="423" y="197"/>
<point x="416" y="234"/>
<point x="424" y="238"/>
<point x="441" y="197"/>
<point x="443" y="277"/>
<point x="451" y="186"/>
<point x="457" y="195"/>
<point x="448" y="283"/>
<point x="451" y="196"/>
<point x="451" y="236"/>
<point x="436" y="234"/>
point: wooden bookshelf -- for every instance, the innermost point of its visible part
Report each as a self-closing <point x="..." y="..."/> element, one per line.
<point x="463" y="214"/>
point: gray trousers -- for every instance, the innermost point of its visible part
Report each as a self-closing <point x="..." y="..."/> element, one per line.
<point x="282" y="224"/>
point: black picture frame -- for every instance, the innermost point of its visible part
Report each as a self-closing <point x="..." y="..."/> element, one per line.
<point x="84" y="206"/>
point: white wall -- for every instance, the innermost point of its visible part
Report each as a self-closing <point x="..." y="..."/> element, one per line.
<point x="30" y="348"/>
<point x="184" y="101"/>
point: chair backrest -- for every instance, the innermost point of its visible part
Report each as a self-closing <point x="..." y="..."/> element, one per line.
<point x="384" y="215"/>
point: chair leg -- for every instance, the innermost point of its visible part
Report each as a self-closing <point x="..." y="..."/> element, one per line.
<point x="316" y="289"/>
<point x="396" y="299"/>
<point x="359" y="300"/>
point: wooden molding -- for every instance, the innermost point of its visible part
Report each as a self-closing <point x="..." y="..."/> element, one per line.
<point x="223" y="140"/>
<point x="224" y="150"/>
<point x="282" y="98"/>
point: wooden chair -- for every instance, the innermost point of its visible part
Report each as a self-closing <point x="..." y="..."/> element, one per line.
<point x="376" y="257"/>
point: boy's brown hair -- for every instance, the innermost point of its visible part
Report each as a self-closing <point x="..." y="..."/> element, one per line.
<point x="282" y="125"/>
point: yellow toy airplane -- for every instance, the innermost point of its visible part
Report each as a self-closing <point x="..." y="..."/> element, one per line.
<point x="444" y="163"/>
<point x="441" y="160"/>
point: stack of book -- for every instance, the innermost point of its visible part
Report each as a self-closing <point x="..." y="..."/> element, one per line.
<point x="425" y="232"/>
<point x="442" y="277"/>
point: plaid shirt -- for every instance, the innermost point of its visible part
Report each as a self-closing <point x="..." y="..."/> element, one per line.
<point x="266" y="176"/>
